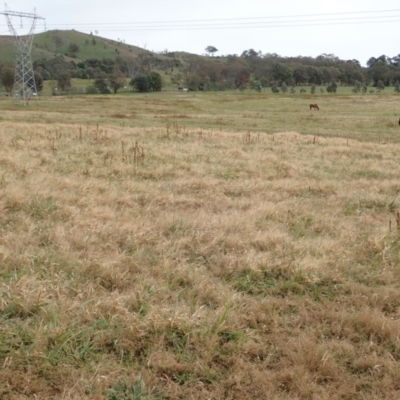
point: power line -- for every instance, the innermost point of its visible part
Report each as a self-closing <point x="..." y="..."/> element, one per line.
<point x="242" y="26"/>
<point x="283" y="21"/>
<point x="236" y="19"/>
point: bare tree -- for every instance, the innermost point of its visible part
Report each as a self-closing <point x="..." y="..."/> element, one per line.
<point x="131" y="66"/>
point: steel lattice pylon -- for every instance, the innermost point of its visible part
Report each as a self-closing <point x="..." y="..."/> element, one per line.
<point x="24" y="82"/>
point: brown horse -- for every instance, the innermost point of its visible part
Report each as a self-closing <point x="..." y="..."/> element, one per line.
<point x="314" y="106"/>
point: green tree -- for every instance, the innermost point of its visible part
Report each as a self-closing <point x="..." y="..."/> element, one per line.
<point x="357" y="87"/>
<point x="251" y="53"/>
<point x="45" y="74"/>
<point x="264" y="81"/>
<point x="7" y="79"/>
<point x="101" y="84"/>
<point x="283" y="87"/>
<point x="379" y="72"/>
<point x="81" y="73"/>
<point x="55" y="66"/>
<point x="116" y="81"/>
<point x="350" y="73"/>
<point x="38" y="81"/>
<point x="140" y="83"/>
<point x="332" y="87"/>
<point x="282" y="73"/>
<point x="314" y="75"/>
<point x="300" y="75"/>
<point x="312" y="90"/>
<point x="380" y="85"/>
<point x="397" y="87"/>
<point x="193" y="81"/>
<point x="255" y="85"/>
<point x="211" y="50"/>
<point x="155" y="81"/>
<point x="371" y="62"/>
<point x="64" y="81"/>
<point x="326" y="75"/>
<point x="73" y="49"/>
<point x="242" y="78"/>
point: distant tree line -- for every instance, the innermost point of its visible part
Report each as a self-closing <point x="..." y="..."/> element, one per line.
<point x="254" y="70"/>
<point x="250" y="70"/>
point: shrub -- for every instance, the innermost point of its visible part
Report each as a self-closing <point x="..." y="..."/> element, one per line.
<point x="332" y="87"/>
<point x="357" y="87"/>
<point x="92" y="90"/>
<point x="275" y="89"/>
<point x="380" y="86"/>
<point x="73" y="48"/>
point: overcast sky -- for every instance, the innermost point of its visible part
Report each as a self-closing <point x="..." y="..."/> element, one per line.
<point x="349" y="29"/>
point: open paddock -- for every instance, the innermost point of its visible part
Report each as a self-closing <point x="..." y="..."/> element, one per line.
<point x="219" y="245"/>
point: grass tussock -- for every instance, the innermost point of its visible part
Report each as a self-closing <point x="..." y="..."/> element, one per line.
<point x="184" y="262"/>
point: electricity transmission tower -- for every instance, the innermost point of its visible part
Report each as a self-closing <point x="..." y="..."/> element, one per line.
<point x="24" y="80"/>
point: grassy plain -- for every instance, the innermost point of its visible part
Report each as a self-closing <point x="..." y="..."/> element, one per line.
<point x="200" y="246"/>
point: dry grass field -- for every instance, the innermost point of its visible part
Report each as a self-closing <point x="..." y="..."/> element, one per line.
<point x="200" y="246"/>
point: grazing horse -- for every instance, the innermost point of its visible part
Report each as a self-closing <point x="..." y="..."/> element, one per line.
<point x="314" y="106"/>
<point x="399" y="121"/>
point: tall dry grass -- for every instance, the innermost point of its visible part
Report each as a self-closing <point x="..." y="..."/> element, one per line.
<point x="174" y="262"/>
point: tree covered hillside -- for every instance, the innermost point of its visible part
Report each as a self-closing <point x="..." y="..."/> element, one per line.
<point x="63" y="55"/>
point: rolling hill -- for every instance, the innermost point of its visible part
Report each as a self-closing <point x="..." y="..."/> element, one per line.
<point x="60" y="42"/>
